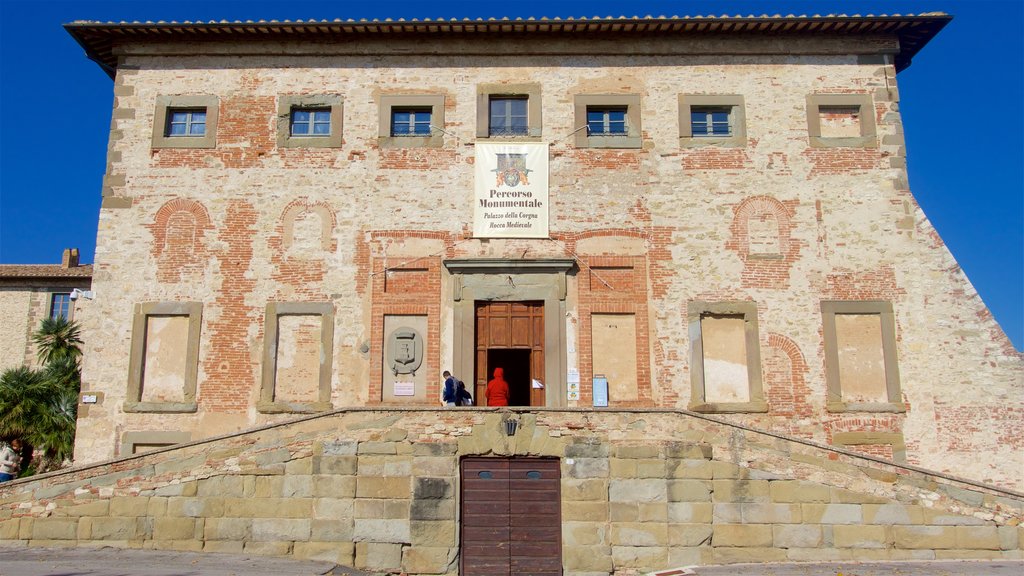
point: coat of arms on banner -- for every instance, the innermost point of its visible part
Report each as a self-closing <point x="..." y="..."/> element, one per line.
<point x="512" y="170"/>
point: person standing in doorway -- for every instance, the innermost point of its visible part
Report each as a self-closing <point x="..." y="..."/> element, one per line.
<point x="448" y="395"/>
<point x="497" y="389"/>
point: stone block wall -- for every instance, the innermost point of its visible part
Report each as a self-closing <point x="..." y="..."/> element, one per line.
<point x="640" y="490"/>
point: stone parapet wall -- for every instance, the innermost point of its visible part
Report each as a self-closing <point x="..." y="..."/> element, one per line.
<point x="640" y="490"/>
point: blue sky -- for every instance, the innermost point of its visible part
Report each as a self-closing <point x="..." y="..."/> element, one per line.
<point x="966" y="166"/>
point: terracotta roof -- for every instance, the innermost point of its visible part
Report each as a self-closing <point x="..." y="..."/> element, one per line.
<point x="914" y="31"/>
<point x="44" y="271"/>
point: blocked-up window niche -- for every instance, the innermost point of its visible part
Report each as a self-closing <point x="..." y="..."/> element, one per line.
<point x="841" y="120"/>
<point x="860" y="357"/>
<point x="297" y="357"/>
<point x="725" y="358"/>
<point x="614" y="343"/>
<point x="164" y="357"/>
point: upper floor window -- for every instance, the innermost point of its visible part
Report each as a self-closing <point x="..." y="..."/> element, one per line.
<point x="60" y="305"/>
<point x="609" y="120"/>
<point x="508" y="116"/>
<point x="314" y="122"/>
<point x="309" y="120"/>
<point x="511" y="111"/>
<point x="710" y="121"/>
<point x="186" y="122"/>
<point x="410" y="121"/>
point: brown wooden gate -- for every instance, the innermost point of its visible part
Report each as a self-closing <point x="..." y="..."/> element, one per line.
<point x="511" y="517"/>
<point x="511" y="335"/>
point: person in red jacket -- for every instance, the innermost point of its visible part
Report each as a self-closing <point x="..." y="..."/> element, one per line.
<point x="497" y="389"/>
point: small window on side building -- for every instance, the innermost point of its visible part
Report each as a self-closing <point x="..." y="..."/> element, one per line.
<point x="60" y="305"/>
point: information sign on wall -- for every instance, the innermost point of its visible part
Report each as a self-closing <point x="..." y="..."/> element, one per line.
<point x="511" y="199"/>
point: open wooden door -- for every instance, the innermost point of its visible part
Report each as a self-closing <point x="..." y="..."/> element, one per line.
<point x="511" y="335"/>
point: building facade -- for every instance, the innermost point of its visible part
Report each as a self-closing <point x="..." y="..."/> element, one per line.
<point x="30" y="293"/>
<point x="707" y="215"/>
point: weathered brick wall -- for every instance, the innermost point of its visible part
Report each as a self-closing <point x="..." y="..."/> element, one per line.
<point x="208" y="225"/>
<point x="640" y="490"/>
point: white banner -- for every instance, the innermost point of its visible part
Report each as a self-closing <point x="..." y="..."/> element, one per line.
<point x="511" y="199"/>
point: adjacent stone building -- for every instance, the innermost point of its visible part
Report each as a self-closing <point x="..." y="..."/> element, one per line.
<point x="672" y="214"/>
<point x="31" y="292"/>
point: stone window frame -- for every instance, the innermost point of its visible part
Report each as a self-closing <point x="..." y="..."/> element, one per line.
<point x="834" y="393"/>
<point x="863" y="102"/>
<point x="632" y="139"/>
<point x="287" y="102"/>
<point x="274" y="310"/>
<point x="143" y="311"/>
<point x="388" y="102"/>
<point x="894" y="439"/>
<point x="738" y="139"/>
<point x="534" y="119"/>
<point x="166" y="104"/>
<point x="130" y="439"/>
<point x="53" y="294"/>
<point x="695" y="311"/>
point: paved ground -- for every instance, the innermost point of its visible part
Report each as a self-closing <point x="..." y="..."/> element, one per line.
<point x="120" y="562"/>
<point x="931" y="568"/>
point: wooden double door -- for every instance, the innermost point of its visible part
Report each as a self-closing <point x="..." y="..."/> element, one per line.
<point x="511" y="517"/>
<point x="510" y="335"/>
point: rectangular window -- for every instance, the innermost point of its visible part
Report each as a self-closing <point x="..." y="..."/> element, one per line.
<point x="186" y="122"/>
<point x="410" y="121"/>
<point x="712" y="122"/>
<point x="60" y="305"/>
<point x="313" y="122"/>
<point x="607" y="121"/>
<point x="861" y="373"/>
<point x="508" y="116"/>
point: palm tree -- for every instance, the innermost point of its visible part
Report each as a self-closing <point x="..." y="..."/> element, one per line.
<point x="40" y="406"/>
<point x="56" y="339"/>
